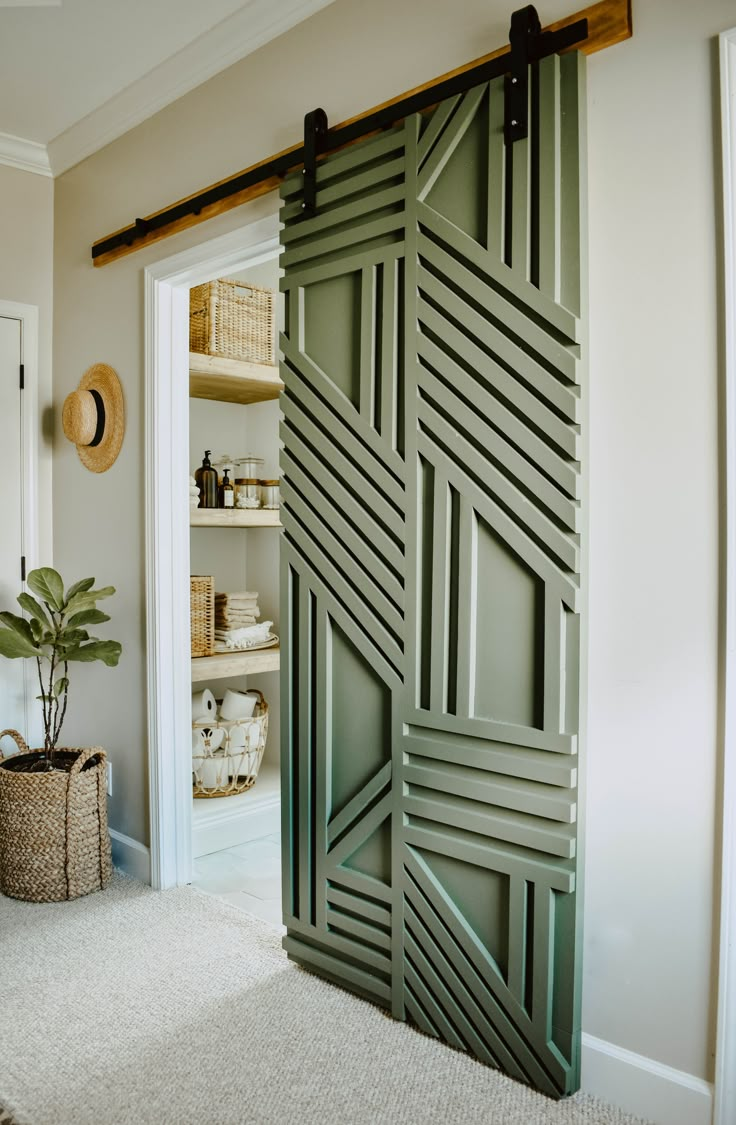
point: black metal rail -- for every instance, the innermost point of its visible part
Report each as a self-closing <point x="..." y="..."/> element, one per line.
<point x="528" y="45"/>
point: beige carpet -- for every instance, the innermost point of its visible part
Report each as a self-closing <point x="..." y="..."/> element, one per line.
<point x="131" y="1007"/>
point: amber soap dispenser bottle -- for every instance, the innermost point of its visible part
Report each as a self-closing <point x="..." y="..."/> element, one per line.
<point x="206" y="478"/>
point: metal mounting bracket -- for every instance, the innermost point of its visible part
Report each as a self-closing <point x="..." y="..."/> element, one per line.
<point x="315" y="133"/>
<point x="523" y="37"/>
<point x="529" y="44"/>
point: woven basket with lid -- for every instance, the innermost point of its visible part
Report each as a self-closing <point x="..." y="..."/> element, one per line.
<point x="232" y="319"/>
<point x="54" y="842"/>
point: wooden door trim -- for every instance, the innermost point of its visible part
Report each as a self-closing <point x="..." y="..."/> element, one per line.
<point x="166" y="406"/>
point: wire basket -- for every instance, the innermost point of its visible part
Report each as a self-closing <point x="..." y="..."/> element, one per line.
<point x="230" y="319"/>
<point x="227" y="755"/>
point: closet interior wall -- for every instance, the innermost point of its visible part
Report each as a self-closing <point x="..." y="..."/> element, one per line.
<point x="242" y="558"/>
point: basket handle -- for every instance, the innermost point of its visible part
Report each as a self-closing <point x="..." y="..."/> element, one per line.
<point x="17" y="738"/>
<point x="84" y="756"/>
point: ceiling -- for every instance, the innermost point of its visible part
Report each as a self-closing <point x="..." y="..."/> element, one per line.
<point x="75" y="74"/>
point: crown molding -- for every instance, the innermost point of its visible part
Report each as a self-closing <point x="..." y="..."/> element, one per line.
<point x="29" y="156"/>
<point x="232" y="39"/>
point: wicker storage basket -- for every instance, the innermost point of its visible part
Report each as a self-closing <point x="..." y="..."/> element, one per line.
<point x="224" y="768"/>
<point x="202" y="613"/>
<point x="54" y="843"/>
<point x="233" y="320"/>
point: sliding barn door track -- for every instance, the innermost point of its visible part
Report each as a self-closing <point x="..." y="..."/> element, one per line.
<point x="528" y="44"/>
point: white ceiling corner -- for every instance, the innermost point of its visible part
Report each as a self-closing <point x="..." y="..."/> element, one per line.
<point x="235" y="37"/>
<point x="29" y="156"/>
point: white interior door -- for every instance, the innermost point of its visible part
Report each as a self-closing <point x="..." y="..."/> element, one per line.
<point x="12" y="694"/>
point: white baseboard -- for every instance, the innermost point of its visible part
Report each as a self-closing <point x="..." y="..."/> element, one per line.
<point x="130" y="856"/>
<point x="643" y="1086"/>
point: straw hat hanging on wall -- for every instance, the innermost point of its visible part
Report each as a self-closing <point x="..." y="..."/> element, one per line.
<point x="94" y="417"/>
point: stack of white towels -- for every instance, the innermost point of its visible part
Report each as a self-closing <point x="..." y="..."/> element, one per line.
<point x="193" y="493"/>
<point x="236" y="617"/>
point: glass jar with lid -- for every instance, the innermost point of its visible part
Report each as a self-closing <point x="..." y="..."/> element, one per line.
<point x="250" y="467"/>
<point x="270" y="494"/>
<point x="247" y="492"/>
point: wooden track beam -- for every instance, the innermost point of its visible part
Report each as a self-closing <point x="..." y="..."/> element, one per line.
<point x="609" y="22"/>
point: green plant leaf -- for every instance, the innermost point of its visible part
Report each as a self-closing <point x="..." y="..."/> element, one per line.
<point x="106" y="651"/>
<point x="47" y="584"/>
<point x="79" y="588"/>
<point x="87" y="617"/>
<point x="36" y="629"/>
<point x="62" y="684"/>
<point x="71" y="638"/>
<point x="43" y="698"/>
<point x="87" y="598"/>
<point x="15" y="645"/>
<point x="19" y="625"/>
<point x="34" y="608"/>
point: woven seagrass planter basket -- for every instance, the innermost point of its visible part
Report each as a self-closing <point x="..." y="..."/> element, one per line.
<point x="54" y="843"/>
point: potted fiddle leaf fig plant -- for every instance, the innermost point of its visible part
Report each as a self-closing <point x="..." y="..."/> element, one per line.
<point x="54" y="842"/>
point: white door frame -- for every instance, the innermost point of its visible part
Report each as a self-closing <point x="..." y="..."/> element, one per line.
<point x="725" y="1083"/>
<point x="30" y="500"/>
<point x="167" y="469"/>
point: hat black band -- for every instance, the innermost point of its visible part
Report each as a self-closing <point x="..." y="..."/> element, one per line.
<point x="100" y="431"/>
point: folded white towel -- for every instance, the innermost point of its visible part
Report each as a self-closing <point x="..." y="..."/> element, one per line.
<point x="236" y="615"/>
<point x="249" y="633"/>
<point x="247" y="595"/>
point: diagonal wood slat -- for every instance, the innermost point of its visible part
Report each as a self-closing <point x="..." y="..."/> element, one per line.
<point x="351" y="841"/>
<point x="375" y="568"/>
<point x="475" y="420"/>
<point x="351" y="813"/>
<point x="443" y="148"/>
<point x="484" y="262"/>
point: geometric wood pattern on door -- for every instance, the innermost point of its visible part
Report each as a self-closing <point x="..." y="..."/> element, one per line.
<point x="431" y="573"/>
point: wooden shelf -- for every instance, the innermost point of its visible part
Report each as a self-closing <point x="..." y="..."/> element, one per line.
<point x="234" y="517"/>
<point x="232" y="380"/>
<point x="235" y="664"/>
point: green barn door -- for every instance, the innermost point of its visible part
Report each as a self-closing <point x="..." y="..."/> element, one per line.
<point x="431" y="574"/>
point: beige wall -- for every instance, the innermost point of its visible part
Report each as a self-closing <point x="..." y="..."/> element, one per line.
<point x="26" y="276"/>
<point x="651" y="818"/>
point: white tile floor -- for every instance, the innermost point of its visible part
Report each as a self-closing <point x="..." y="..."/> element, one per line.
<point x="248" y="876"/>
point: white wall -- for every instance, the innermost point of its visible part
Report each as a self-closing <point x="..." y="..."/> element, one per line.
<point x="653" y="751"/>
<point x="26" y="276"/>
<point x="654" y="374"/>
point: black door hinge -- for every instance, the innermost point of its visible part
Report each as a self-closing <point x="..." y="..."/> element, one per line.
<point x="22" y="376"/>
<point x="22" y="568"/>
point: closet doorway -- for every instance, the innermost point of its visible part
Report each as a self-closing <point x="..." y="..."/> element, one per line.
<point x="227" y="846"/>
